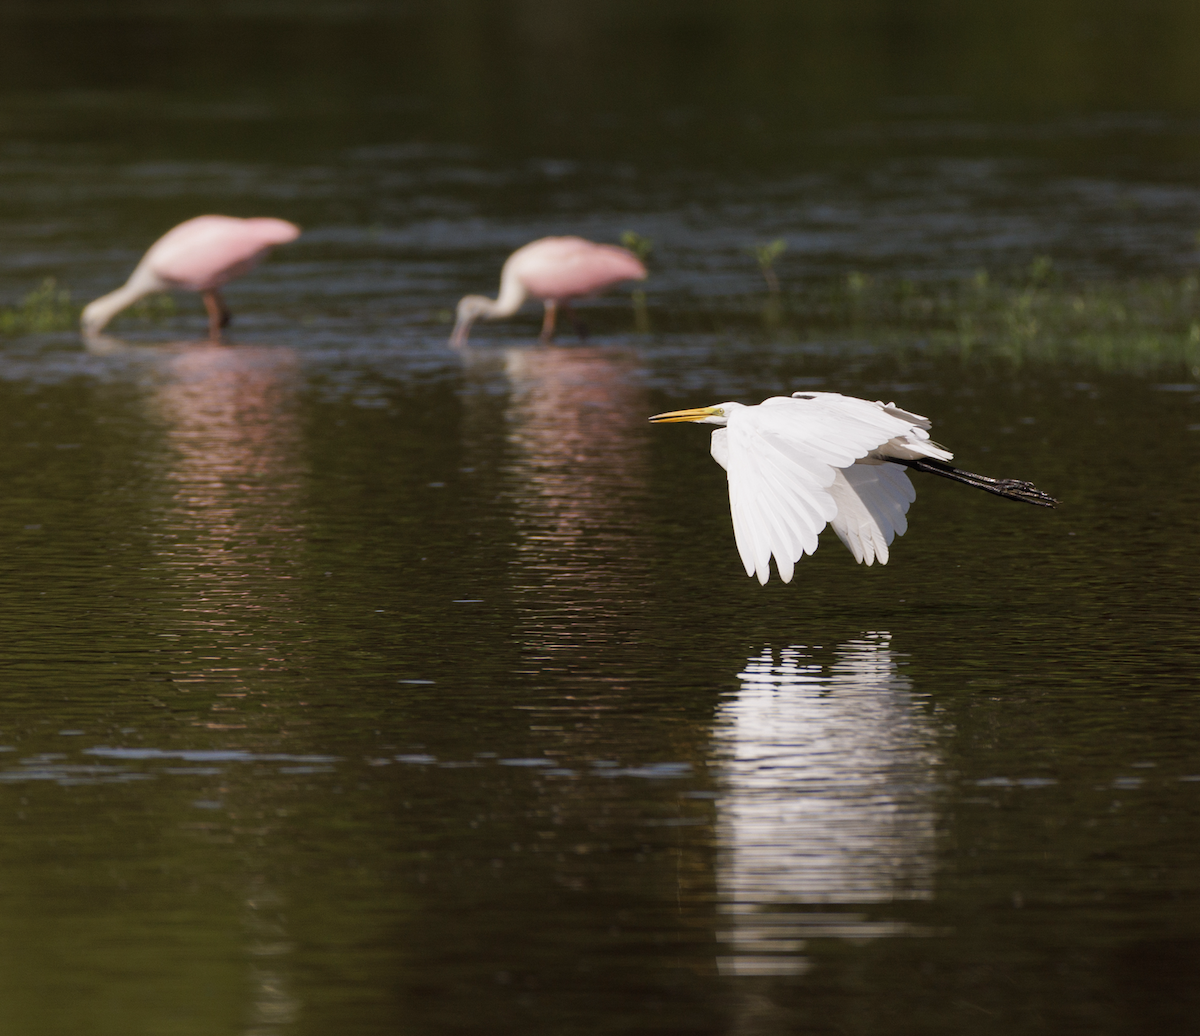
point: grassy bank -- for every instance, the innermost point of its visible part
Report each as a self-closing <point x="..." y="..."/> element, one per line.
<point x="1034" y="315"/>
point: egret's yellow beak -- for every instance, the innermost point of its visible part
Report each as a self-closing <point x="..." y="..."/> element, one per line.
<point x="698" y="413"/>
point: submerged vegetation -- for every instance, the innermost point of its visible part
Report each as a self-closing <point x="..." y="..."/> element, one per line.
<point x="152" y="309"/>
<point x="49" y="308"/>
<point x="638" y="245"/>
<point x="1035" y="314"/>
<point x="44" y="309"/>
<point x="766" y="256"/>
<point x="641" y="247"/>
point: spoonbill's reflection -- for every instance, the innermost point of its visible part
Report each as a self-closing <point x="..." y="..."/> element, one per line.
<point x="232" y="462"/>
<point x="828" y="765"/>
<point x="231" y="530"/>
<point x="229" y="536"/>
<point x="578" y="465"/>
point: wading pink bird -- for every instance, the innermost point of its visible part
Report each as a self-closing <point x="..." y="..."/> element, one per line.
<point x="554" y="270"/>
<point x="200" y="254"/>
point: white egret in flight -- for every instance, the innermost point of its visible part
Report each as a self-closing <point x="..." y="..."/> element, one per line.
<point x="798" y="462"/>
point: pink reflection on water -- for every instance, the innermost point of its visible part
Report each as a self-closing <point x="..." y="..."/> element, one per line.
<point x="230" y="531"/>
<point x="576" y="430"/>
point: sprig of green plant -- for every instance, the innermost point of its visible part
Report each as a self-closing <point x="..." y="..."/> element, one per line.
<point x="766" y="256"/>
<point x="857" y="283"/>
<point x="44" y="309"/>
<point x="638" y="245"/>
<point x="1041" y="270"/>
<point x="641" y="247"/>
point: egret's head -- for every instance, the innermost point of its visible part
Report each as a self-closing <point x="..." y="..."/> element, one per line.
<point x="470" y="309"/>
<point x="718" y="414"/>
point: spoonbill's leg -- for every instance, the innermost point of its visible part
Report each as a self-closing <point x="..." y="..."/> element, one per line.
<point x="218" y="314"/>
<point x="548" y="322"/>
<point x="577" y="321"/>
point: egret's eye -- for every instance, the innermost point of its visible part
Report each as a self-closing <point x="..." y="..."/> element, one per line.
<point x="719" y="412"/>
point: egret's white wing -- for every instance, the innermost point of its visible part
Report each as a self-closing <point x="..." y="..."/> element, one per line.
<point x="905" y="415"/>
<point x="872" y="500"/>
<point x="851" y="419"/>
<point x="719" y="448"/>
<point x="782" y="458"/>
<point x="778" y="496"/>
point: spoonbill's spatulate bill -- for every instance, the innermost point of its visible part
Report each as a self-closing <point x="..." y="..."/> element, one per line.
<point x="200" y="254"/>
<point x="554" y="270"/>
<point x="796" y="463"/>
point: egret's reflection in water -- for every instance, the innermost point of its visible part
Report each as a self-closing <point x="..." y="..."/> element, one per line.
<point x="828" y="766"/>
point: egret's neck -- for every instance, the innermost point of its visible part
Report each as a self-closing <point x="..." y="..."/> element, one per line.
<point x="98" y="313"/>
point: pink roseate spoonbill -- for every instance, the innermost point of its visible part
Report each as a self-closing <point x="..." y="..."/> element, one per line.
<point x="554" y="270"/>
<point x="795" y="463"/>
<point x="200" y="254"/>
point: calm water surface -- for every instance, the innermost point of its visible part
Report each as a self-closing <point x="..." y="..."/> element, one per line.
<point x="351" y="684"/>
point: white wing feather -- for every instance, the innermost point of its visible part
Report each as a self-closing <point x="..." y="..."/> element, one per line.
<point x="872" y="500"/>
<point x="719" y="448"/>
<point x="791" y="466"/>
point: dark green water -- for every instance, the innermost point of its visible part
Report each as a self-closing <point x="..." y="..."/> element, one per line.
<point x="350" y="684"/>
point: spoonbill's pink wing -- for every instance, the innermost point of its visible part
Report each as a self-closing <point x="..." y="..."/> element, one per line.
<point x="207" y="251"/>
<point x="569" y="267"/>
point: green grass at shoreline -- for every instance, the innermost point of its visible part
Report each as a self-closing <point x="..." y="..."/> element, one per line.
<point x="1150" y="323"/>
<point x="49" y="309"/>
<point x="45" y="309"/>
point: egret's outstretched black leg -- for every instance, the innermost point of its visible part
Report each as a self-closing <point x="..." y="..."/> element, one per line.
<point x="1009" y="488"/>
